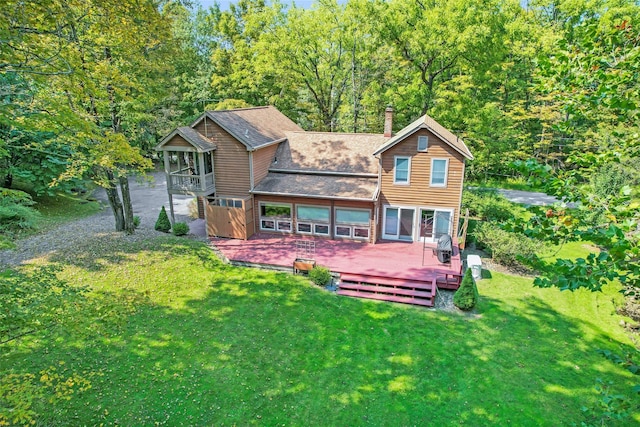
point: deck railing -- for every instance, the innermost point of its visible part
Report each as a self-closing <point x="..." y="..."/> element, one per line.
<point x="187" y="182"/>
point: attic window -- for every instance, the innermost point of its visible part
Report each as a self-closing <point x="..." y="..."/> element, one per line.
<point x="423" y="143"/>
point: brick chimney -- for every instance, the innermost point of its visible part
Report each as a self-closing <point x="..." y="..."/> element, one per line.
<point x="388" y="122"/>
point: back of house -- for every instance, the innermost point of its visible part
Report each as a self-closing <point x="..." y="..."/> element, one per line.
<point x="256" y="171"/>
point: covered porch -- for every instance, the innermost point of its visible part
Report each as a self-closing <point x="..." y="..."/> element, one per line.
<point x="396" y="260"/>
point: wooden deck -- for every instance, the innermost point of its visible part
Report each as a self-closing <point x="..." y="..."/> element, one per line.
<point x="389" y="270"/>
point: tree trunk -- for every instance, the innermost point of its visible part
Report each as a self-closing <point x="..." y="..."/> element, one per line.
<point x="114" y="201"/>
<point x="129" y="226"/>
<point x="8" y="180"/>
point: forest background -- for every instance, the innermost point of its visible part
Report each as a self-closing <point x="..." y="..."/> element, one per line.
<point x="544" y="91"/>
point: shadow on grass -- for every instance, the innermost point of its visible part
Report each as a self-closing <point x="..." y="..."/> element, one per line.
<point x="226" y="345"/>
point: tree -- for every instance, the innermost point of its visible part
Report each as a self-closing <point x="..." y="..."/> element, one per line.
<point x="466" y="297"/>
<point x="90" y="80"/>
<point x="597" y="71"/>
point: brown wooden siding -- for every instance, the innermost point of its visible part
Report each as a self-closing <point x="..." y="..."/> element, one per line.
<point x="262" y="159"/>
<point x="230" y="161"/>
<point x="177" y="141"/>
<point x="419" y="193"/>
<point x="316" y="202"/>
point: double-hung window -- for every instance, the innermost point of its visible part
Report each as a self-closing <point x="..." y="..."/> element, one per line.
<point x="401" y="169"/>
<point x="439" y="172"/>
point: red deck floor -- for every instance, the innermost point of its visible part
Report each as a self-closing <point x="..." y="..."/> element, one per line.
<point x="400" y="260"/>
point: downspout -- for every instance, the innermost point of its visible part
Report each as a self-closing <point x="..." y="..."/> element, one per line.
<point x="256" y="224"/>
<point x="251" y="183"/>
<point x="459" y="210"/>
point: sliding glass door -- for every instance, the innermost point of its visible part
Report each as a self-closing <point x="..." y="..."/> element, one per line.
<point x="435" y="223"/>
<point x="398" y="223"/>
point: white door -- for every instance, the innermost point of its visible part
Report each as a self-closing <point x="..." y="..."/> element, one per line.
<point x="435" y="223"/>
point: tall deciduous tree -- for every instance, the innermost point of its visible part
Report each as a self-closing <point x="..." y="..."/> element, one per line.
<point x="94" y="67"/>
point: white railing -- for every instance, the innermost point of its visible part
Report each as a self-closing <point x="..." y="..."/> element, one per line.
<point x="191" y="182"/>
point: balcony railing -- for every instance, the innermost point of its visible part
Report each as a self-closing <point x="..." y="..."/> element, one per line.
<point x="191" y="183"/>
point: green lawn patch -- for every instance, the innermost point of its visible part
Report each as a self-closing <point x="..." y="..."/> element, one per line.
<point x="169" y="335"/>
<point x="62" y="208"/>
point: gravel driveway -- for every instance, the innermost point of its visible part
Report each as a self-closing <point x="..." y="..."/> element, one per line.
<point x="147" y="198"/>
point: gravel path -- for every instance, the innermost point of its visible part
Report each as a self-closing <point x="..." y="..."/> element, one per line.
<point x="147" y="199"/>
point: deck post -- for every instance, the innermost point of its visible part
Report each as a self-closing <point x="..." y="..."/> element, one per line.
<point x="173" y="216"/>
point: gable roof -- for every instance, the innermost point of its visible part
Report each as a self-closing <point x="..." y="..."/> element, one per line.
<point x="200" y="142"/>
<point x="426" y="122"/>
<point x="327" y="152"/>
<point x="254" y="127"/>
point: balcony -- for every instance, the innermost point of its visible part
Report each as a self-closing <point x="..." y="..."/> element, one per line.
<point x="183" y="182"/>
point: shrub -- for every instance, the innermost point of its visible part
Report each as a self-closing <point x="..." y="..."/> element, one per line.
<point x="503" y="246"/>
<point x="466" y="297"/>
<point x="15" y="197"/>
<point x="163" y="224"/>
<point x="488" y="204"/>
<point x="320" y="275"/>
<point x="136" y="221"/>
<point x="16" y="218"/>
<point x="180" y="228"/>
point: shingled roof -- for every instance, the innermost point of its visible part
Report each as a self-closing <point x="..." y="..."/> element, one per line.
<point x="427" y="122"/>
<point x="324" y="186"/>
<point x="200" y="142"/>
<point x="254" y="127"/>
<point x="322" y="152"/>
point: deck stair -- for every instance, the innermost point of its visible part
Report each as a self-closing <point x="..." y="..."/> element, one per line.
<point x="449" y="281"/>
<point x="416" y="292"/>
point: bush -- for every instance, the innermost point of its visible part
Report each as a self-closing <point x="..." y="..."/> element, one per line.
<point x="15" y="197"/>
<point x="466" y="297"/>
<point x="505" y="247"/>
<point x="16" y="218"/>
<point x="320" y="275"/>
<point x="488" y="204"/>
<point x="136" y="221"/>
<point x="163" y="224"/>
<point x="180" y="229"/>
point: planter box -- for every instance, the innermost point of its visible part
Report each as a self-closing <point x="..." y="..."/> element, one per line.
<point x="301" y="265"/>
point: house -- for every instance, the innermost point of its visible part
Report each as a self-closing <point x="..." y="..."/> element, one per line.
<point x="254" y="170"/>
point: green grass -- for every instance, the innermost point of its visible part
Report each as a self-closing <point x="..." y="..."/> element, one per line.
<point x="169" y="335"/>
<point x="516" y="183"/>
<point x="62" y="208"/>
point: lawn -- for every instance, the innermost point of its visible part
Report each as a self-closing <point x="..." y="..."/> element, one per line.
<point x="169" y="335"/>
<point x="62" y="208"/>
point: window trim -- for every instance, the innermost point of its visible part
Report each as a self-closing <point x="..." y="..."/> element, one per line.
<point x="328" y="208"/>
<point x="426" y="148"/>
<point x="313" y="223"/>
<point x="276" y="220"/>
<point x="446" y="173"/>
<point x="335" y="215"/>
<point x="395" y="170"/>
<point x="352" y="226"/>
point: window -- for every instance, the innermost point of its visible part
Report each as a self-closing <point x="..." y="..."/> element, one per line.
<point x="313" y="219"/>
<point x="353" y="223"/>
<point x="439" y="172"/>
<point x="352" y="216"/>
<point x="275" y="217"/>
<point x="401" y="170"/>
<point x="423" y="143"/>
<point x="227" y="203"/>
<point x="208" y="162"/>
